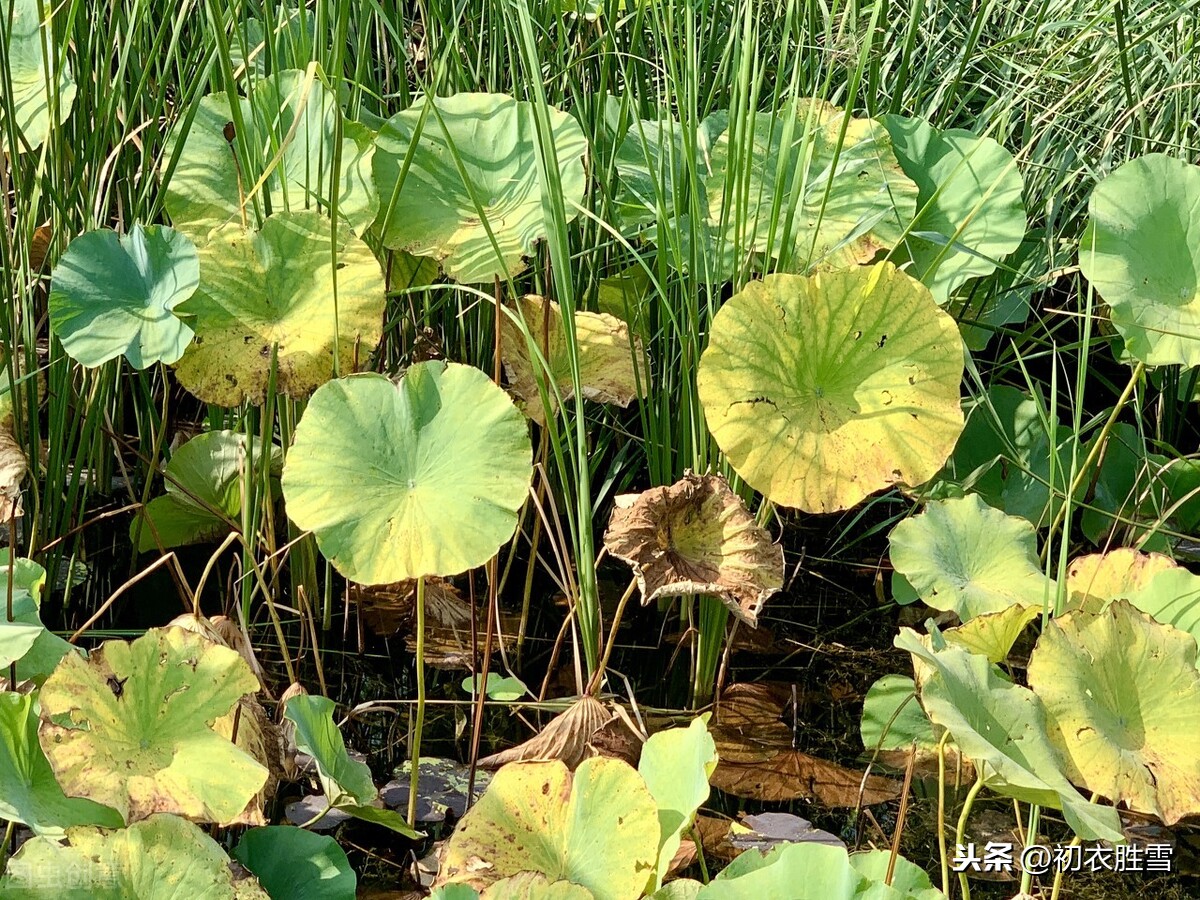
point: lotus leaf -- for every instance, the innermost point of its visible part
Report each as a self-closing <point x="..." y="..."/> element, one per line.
<point x="970" y="210"/>
<point x="497" y="687"/>
<point x="29" y="794"/>
<point x="292" y="36"/>
<point x="992" y="635"/>
<point x="797" y="871"/>
<point x="1002" y="728"/>
<point x="1141" y="252"/>
<point x="441" y="788"/>
<point x="767" y="830"/>
<point x="162" y="858"/>
<point x="823" y="390"/>
<point x="13" y="468"/>
<point x="279" y="298"/>
<point x="288" y="152"/>
<point x="598" y="829"/>
<point x="438" y="466"/>
<point x="458" y="180"/>
<point x="204" y="481"/>
<point x="964" y="556"/>
<point x="114" y="295"/>
<point x="1004" y="455"/>
<point x="909" y="881"/>
<point x="130" y="727"/>
<point x="566" y="738"/>
<point x="346" y="782"/>
<point x="676" y="765"/>
<point x="696" y="537"/>
<point x="1127" y="729"/>
<point x="297" y="864"/>
<point x="892" y="717"/>
<point x="27" y="35"/>
<point x="25" y="640"/>
<point x="612" y="365"/>
<point x="1004" y="299"/>
<point x="796" y="188"/>
<point x="535" y="886"/>
<point x="1110" y="576"/>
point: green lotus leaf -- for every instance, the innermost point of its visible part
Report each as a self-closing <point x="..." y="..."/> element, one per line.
<point x="297" y="864"/>
<point x="1004" y="455"/>
<point x="27" y="35"/>
<point x="130" y="727"/>
<point x="114" y="295"/>
<point x="459" y="180"/>
<point x="626" y="296"/>
<point x="825" y="389"/>
<point x="970" y="211"/>
<point x="204" y="480"/>
<point x="280" y="297"/>
<point x="535" y="886"/>
<point x="964" y="556"/>
<point x="1141" y="491"/>
<point x="498" y="687"/>
<point x="806" y="871"/>
<point x="992" y="635"/>
<point x="1127" y="729"/>
<point x="24" y="641"/>
<point x="1151" y="582"/>
<point x="1141" y="252"/>
<point x="29" y="793"/>
<point x="291" y="120"/>
<point x="1002" y="728"/>
<point x="612" y="365"/>
<point x="676" y="765"/>
<point x="909" y="881"/>
<point x="438" y="465"/>
<point x="598" y="829"/>
<point x="162" y="858"/>
<point x="292" y="37"/>
<point x="794" y="188"/>
<point x="892" y="719"/>
<point x="318" y="736"/>
<point x="455" y="892"/>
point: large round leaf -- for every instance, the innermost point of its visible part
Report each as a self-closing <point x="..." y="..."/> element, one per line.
<point x="598" y="829"/>
<point x="817" y="186"/>
<point x="398" y="481"/>
<point x="822" y="390"/>
<point x="970" y="209"/>
<point x="1127" y="729"/>
<point x="130" y="727"/>
<point x="1141" y="252"/>
<point x="290" y="121"/>
<point x="29" y="792"/>
<point x="296" y="864"/>
<point x="964" y="556"/>
<point x="113" y="295"/>
<point x="163" y="858"/>
<point x="27" y="35"/>
<point x="459" y="180"/>
<point x="282" y="294"/>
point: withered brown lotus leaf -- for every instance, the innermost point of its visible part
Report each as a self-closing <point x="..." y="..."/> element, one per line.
<point x="696" y="537"/>
<point x="566" y="737"/>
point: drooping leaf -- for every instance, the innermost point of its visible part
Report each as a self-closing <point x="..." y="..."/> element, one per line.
<point x="1127" y="729"/>
<point x="438" y="466"/>
<point x="267" y="298"/>
<point x="696" y="537"/>
<point x="459" y="180"/>
<point x="964" y="556"/>
<point x="282" y="162"/>
<point x="970" y="212"/>
<point x="296" y="864"/>
<point x="162" y="858"/>
<point x="612" y="365"/>
<point x="676" y="765"/>
<point x="27" y="33"/>
<point x="823" y="390"/>
<point x="115" y="295"/>
<point x="204" y="480"/>
<point x="1002" y="728"/>
<point x="25" y="640"/>
<point x="130" y="727"/>
<point x="318" y="736"/>
<point x="29" y="793"/>
<point x="892" y="717"/>
<point x="1141" y="252"/>
<point x="598" y="829"/>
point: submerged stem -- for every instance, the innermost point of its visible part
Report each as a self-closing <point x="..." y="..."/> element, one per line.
<point x="419" y="725"/>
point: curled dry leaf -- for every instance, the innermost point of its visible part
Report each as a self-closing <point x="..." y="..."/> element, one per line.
<point x="566" y="738"/>
<point x="758" y="759"/>
<point x="13" y="467"/>
<point x="252" y="731"/>
<point x="607" y="357"/>
<point x="696" y="537"/>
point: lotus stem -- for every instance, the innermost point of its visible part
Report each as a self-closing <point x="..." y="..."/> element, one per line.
<point x="941" y="814"/>
<point x="598" y="676"/>
<point x="419" y="725"/>
<point x="961" y="830"/>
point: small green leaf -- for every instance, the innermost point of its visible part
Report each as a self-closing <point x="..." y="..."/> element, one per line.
<point x="319" y="737"/>
<point x="296" y="864"/>
<point x="498" y="687"/>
